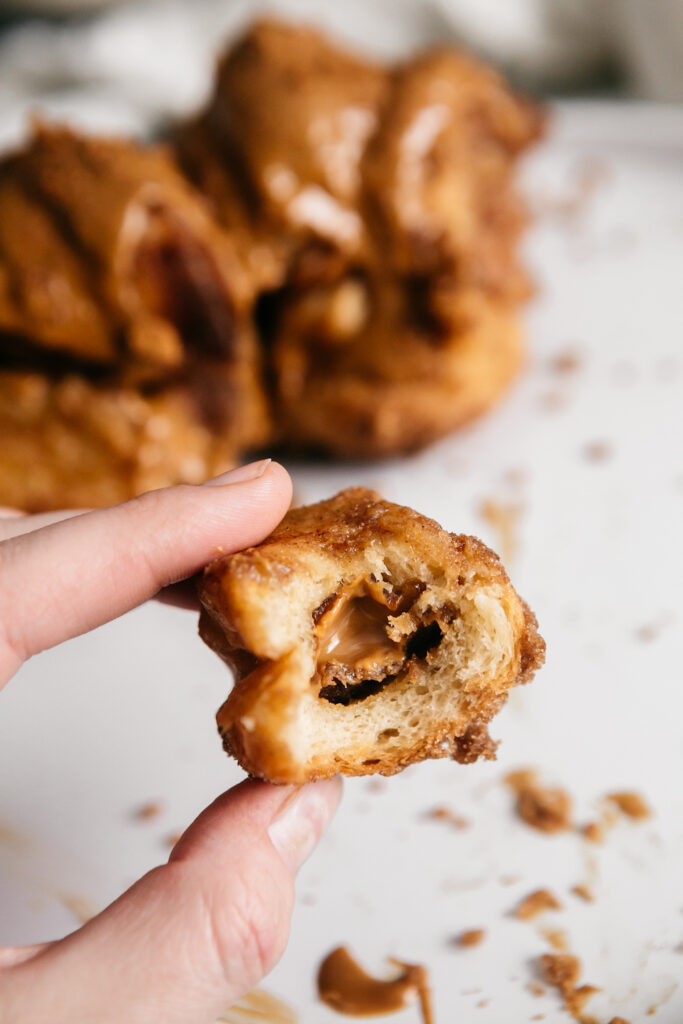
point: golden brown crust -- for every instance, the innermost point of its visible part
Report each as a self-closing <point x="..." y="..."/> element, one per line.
<point x="126" y="353"/>
<point x="70" y="443"/>
<point x="259" y="613"/>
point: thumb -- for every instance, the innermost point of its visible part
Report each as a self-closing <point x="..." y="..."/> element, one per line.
<point x="190" y="937"/>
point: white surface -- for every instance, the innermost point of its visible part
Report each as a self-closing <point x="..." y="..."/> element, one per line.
<point x="90" y="731"/>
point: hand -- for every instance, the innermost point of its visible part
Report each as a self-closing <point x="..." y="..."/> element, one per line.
<point x="194" y="935"/>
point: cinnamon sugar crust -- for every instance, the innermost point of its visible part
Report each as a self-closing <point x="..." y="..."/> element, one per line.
<point x="426" y="631"/>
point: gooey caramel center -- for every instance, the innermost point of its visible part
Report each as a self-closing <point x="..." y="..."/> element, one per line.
<point x="352" y="632"/>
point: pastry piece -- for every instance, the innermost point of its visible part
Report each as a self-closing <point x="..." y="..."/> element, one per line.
<point x="371" y="372"/>
<point x="380" y="205"/>
<point x="70" y="443"/>
<point x="280" y="144"/>
<point x="115" y="283"/>
<point x="363" y="638"/>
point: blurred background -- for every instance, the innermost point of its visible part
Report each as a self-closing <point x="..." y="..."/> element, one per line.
<point x="139" y="62"/>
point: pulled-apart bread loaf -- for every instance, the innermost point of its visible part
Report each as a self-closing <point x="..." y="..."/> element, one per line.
<point x="379" y="204"/>
<point x="127" y="353"/>
<point x="363" y="638"/>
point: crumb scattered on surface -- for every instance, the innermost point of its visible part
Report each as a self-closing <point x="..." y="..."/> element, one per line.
<point x="619" y="1020"/>
<point x="536" y="988"/>
<point x="562" y="971"/>
<point x="536" y="903"/>
<point x="148" y="811"/>
<point x="471" y="937"/>
<point x="647" y="634"/>
<point x="556" y="938"/>
<point x="375" y="785"/>
<point x="546" y="809"/>
<point x="565" y="362"/>
<point x="450" y="817"/>
<point x="631" y="804"/>
<point x="598" y="451"/>
<point x="503" y="517"/>
<point x="584" y="892"/>
<point x="594" y="831"/>
<point x="509" y="879"/>
<point x="482" y="1003"/>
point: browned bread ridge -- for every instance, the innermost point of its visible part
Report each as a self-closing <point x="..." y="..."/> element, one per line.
<point x="128" y="358"/>
<point x="363" y="638"/>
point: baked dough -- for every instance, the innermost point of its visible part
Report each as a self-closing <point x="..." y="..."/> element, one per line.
<point x="125" y="332"/>
<point x="379" y="205"/>
<point x="363" y="638"/>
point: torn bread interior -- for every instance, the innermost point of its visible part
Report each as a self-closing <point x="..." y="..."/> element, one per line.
<point x="363" y="638"/>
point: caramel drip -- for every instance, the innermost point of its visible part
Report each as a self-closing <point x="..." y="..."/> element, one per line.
<point x="346" y="987"/>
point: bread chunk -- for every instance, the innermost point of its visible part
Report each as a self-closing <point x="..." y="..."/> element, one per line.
<point x="127" y="353"/>
<point x="363" y="638"/>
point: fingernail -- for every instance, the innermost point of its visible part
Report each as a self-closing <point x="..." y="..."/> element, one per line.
<point x="301" y="820"/>
<point x="241" y="475"/>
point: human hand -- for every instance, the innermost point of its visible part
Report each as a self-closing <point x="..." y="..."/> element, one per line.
<point x="194" y="935"/>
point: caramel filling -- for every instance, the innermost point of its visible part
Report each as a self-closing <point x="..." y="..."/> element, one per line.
<point x="356" y="655"/>
<point x="347" y="988"/>
<point x="354" y="631"/>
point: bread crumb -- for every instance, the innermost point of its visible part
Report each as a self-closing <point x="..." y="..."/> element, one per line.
<point x="443" y="813"/>
<point x="631" y="804"/>
<point x="597" y="451"/>
<point x="619" y="1020"/>
<point x="148" y="811"/>
<point x="584" y="892"/>
<point x="536" y="988"/>
<point x="482" y="1003"/>
<point x="536" y="903"/>
<point x="503" y="517"/>
<point x="543" y="808"/>
<point x="562" y="971"/>
<point x="593" y="831"/>
<point x="567" y="361"/>
<point x="556" y="937"/>
<point x="471" y="937"/>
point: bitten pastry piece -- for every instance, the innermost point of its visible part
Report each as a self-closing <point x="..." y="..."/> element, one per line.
<point x="379" y="204"/>
<point x="124" y="324"/>
<point x="363" y="638"/>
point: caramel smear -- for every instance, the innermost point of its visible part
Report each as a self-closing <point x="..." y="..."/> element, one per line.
<point x="344" y="986"/>
<point x="356" y="653"/>
<point x="259" y="1006"/>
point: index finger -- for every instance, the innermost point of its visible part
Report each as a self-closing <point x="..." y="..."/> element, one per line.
<point x="76" y="574"/>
